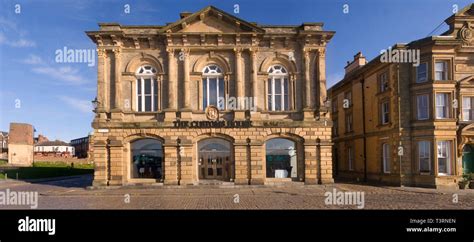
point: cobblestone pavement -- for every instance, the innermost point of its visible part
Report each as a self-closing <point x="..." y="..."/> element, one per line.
<point x="72" y="194"/>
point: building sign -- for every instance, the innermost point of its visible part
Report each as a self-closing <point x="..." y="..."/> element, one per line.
<point x="212" y="124"/>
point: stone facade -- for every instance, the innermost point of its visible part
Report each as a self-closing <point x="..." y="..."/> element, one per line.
<point x="428" y="126"/>
<point x="183" y="63"/>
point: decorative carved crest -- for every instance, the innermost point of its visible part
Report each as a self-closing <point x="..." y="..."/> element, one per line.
<point x="212" y="113"/>
<point x="467" y="34"/>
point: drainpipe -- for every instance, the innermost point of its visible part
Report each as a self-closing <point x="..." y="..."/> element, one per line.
<point x="107" y="148"/>
<point x="178" y="162"/>
<point x="363" y="129"/>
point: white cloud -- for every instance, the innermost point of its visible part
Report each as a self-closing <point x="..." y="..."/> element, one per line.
<point x="65" y="74"/>
<point x="7" y="26"/>
<point x="84" y="106"/>
<point x="33" y="60"/>
<point x="21" y="43"/>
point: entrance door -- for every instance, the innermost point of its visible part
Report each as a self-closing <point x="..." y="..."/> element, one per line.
<point x="214" y="165"/>
<point x="215" y="160"/>
<point x="468" y="159"/>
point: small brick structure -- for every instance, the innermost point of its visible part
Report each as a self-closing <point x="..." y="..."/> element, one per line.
<point x="20" y="144"/>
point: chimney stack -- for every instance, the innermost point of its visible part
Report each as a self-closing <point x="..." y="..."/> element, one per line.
<point x="359" y="61"/>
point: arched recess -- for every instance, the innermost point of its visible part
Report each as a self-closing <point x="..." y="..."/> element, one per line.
<point x="211" y="58"/>
<point x="466" y="134"/>
<point x="145" y="157"/>
<point x="279" y="59"/>
<point x="215" y="157"/>
<point x="293" y="161"/>
<point x="143" y="59"/>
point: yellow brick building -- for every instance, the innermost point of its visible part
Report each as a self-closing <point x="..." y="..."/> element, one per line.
<point x="166" y="102"/>
<point x="415" y="116"/>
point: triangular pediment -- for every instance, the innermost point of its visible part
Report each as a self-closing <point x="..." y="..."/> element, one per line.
<point x="466" y="11"/>
<point x="467" y="81"/>
<point x="211" y="19"/>
<point x="210" y="25"/>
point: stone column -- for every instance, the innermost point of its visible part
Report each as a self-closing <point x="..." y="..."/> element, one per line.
<point x="258" y="100"/>
<point x="239" y="89"/>
<point x="170" y="113"/>
<point x="117" y="78"/>
<point x="101" y="83"/>
<point x="185" y="91"/>
<point x="322" y="77"/>
<point x="239" y="114"/>
<point x="117" y="109"/>
<point x="172" y="82"/>
<point x="308" y="82"/>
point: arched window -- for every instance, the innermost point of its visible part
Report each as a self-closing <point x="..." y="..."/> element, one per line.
<point x="213" y="87"/>
<point x="281" y="158"/>
<point x="147" y="159"/>
<point x="277" y="89"/>
<point x="147" y="89"/>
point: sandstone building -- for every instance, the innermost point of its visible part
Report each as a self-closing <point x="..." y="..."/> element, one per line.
<point x="399" y="116"/>
<point x="167" y="102"/>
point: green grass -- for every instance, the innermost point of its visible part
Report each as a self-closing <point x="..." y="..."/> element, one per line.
<point x="3" y="162"/>
<point x="47" y="170"/>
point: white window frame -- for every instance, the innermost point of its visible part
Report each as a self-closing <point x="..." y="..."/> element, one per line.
<point x="420" y="107"/>
<point x="468" y="108"/>
<point x="443" y="106"/>
<point x="444" y="71"/>
<point x="424" y="74"/>
<point x="386" y="157"/>
<point x="278" y="72"/>
<point x="445" y="144"/>
<point x="213" y="72"/>
<point x="144" y="73"/>
<point x="424" y="144"/>
<point x="385" y="112"/>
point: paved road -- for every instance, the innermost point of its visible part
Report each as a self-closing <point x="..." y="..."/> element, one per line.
<point x="73" y="194"/>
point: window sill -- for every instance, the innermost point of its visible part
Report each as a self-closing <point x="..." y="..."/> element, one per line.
<point x="444" y="81"/>
<point x="421" y="82"/>
<point x="279" y="112"/>
<point x="423" y="120"/>
<point x="445" y="120"/>
<point x="384" y="125"/>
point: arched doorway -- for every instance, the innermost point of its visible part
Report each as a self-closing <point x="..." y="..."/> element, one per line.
<point x="468" y="159"/>
<point x="281" y="159"/>
<point x="147" y="159"/>
<point x="215" y="159"/>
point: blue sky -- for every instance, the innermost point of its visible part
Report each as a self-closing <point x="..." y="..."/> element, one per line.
<point x="55" y="97"/>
